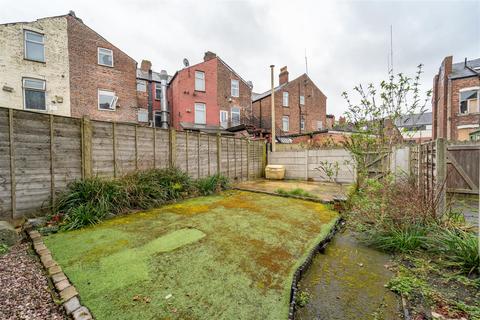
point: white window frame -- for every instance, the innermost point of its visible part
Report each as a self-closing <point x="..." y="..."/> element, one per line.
<point x="234" y="111"/>
<point x="143" y="83"/>
<point x="302" y="100"/>
<point x="25" y="40"/>
<point x="460" y="100"/>
<point x="285" y="98"/>
<point x="98" y="57"/>
<point x="223" y="124"/>
<point x="142" y="115"/>
<point x="113" y="102"/>
<point x="285" y="128"/>
<point x="235" y="89"/>
<point x="197" y="107"/>
<point x="158" y="87"/>
<point x="199" y="81"/>
<point x="44" y="90"/>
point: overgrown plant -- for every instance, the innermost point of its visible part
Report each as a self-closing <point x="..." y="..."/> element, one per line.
<point x="373" y="116"/>
<point x="298" y="192"/>
<point x="212" y="184"/>
<point x="329" y="170"/>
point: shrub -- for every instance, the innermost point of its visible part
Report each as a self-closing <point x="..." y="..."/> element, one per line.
<point x="397" y="239"/>
<point x="212" y="184"/>
<point x="458" y="247"/>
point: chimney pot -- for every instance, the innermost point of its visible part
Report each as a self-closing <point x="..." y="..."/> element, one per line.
<point x="146" y="65"/>
<point x="283" y="76"/>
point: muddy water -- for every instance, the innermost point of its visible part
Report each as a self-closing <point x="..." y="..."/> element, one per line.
<point x="347" y="282"/>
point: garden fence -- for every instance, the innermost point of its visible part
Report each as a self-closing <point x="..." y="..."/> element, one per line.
<point x="40" y="154"/>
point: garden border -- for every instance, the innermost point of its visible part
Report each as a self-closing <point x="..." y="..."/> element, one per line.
<point x="67" y="291"/>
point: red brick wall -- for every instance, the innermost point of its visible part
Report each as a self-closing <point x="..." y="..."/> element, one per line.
<point x="87" y="76"/>
<point x="440" y="98"/>
<point x="314" y="109"/>
<point x="462" y="119"/>
<point x="224" y="97"/>
<point x="182" y="95"/>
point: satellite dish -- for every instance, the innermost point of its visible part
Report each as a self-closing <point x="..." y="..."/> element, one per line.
<point x="185" y="62"/>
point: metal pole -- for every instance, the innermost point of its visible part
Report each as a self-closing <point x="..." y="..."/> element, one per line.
<point x="273" y="108"/>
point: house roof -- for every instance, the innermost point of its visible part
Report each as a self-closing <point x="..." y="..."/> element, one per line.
<point x="414" y="120"/>
<point x="141" y="74"/>
<point x="460" y="71"/>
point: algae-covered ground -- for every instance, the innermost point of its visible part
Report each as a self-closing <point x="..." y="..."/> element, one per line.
<point x="228" y="256"/>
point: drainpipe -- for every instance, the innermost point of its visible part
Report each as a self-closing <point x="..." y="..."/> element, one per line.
<point x="273" y="110"/>
<point x="164" y="103"/>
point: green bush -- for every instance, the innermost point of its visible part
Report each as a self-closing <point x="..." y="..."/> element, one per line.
<point x="397" y="240"/>
<point x="212" y="184"/>
<point x="89" y="201"/>
<point x="458" y="247"/>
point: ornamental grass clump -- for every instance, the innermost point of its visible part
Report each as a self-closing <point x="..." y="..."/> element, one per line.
<point x="87" y="202"/>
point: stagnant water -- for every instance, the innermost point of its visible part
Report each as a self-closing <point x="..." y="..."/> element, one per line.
<point x="347" y="282"/>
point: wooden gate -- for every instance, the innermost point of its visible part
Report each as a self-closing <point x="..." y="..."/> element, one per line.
<point x="463" y="162"/>
<point x="377" y="164"/>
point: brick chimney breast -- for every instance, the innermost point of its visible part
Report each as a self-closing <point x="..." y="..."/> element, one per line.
<point x="145" y="65"/>
<point x="209" y="55"/>
<point x="283" y="76"/>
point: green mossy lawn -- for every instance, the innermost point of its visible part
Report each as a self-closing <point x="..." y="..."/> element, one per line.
<point x="227" y="256"/>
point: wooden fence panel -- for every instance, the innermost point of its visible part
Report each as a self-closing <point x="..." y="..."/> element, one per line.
<point x="181" y="154"/>
<point x="162" y="149"/>
<point x="125" y="154"/>
<point x="5" y="173"/>
<point x="145" y="148"/>
<point x="463" y="168"/>
<point x="32" y="156"/>
<point x="102" y="149"/>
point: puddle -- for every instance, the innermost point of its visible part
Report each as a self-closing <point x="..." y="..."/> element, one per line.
<point x="347" y="282"/>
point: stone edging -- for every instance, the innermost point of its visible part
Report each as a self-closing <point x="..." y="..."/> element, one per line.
<point x="66" y="290"/>
<point x="324" y="201"/>
<point x="297" y="276"/>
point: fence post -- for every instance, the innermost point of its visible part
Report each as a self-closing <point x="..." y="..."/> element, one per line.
<point x="52" y="166"/>
<point x="306" y="165"/>
<point x="154" y="129"/>
<point x="114" y="149"/>
<point x="248" y="159"/>
<point x="264" y="158"/>
<point x="441" y="168"/>
<point x="13" y="186"/>
<point x="136" y="148"/>
<point x="198" y="155"/>
<point x="219" y="150"/>
<point x="186" y="150"/>
<point x="172" y="139"/>
<point x="87" y="147"/>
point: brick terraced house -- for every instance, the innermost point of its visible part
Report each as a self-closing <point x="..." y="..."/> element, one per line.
<point x="208" y="96"/>
<point x="59" y="65"/>
<point x="300" y="106"/>
<point x="455" y="99"/>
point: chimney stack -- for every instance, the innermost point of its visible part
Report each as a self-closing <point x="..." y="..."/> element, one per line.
<point x="283" y="76"/>
<point x="146" y="65"/>
<point x="209" y="55"/>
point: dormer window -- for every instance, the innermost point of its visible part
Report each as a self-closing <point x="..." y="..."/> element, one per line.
<point x="34" y="46"/>
<point x="105" y="57"/>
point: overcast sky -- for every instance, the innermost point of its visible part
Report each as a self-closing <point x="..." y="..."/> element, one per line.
<point x="346" y="42"/>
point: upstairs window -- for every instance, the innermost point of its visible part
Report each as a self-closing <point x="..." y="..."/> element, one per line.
<point x="34" y="46"/>
<point x="302" y="124"/>
<point x="199" y="81"/>
<point x="141" y="86"/>
<point x="107" y="100"/>
<point x="285" y="99"/>
<point x="469" y="102"/>
<point x="235" y="88"/>
<point x="105" y="57"/>
<point x="34" y="94"/>
<point x="302" y="100"/>
<point x="235" y="114"/>
<point x="224" y="119"/>
<point x="158" y="91"/>
<point x="285" y="123"/>
<point x="200" y="113"/>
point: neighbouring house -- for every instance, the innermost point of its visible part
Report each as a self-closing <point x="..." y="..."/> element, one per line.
<point x="149" y="94"/>
<point x="300" y="106"/>
<point x="455" y="99"/>
<point x="208" y="96"/>
<point x="330" y="121"/>
<point x="415" y="127"/>
<point x="59" y="65"/>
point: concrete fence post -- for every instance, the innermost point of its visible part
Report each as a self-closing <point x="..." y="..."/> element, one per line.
<point x="87" y="147"/>
<point x="172" y="146"/>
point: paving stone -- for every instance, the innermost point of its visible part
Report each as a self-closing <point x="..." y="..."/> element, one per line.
<point x="57" y="277"/>
<point x="49" y="263"/>
<point x="44" y="252"/>
<point x="68" y="293"/>
<point x="61" y="285"/>
<point x="54" y="269"/>
<point x="45" y="257"/>
<point x="71" y="305"/>
<point x="82" y="314"/>
<point x="39" y="246"/>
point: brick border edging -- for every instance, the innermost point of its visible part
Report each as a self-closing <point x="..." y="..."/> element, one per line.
<point x="297" y="276"/>
<point x="68" y="293"/>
